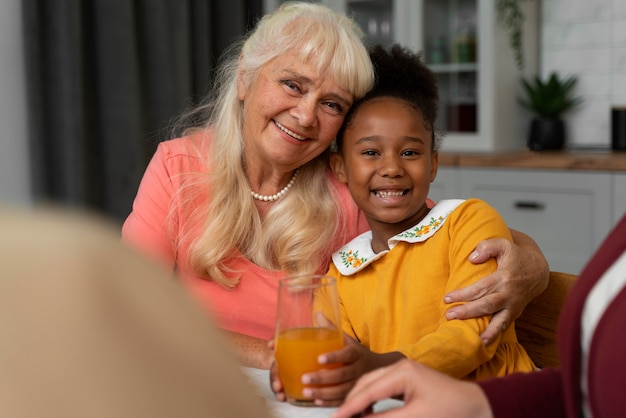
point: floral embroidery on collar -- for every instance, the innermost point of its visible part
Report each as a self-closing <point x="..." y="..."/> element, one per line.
<point x="423" y="229"/>
<point x="358" y="253"/>
<point x="352" y="258"/>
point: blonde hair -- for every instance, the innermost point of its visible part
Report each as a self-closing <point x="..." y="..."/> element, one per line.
<point x="296" y="234"/>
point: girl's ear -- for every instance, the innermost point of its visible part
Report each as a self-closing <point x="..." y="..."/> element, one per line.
<point x="338" y="167"/>
<point x="434" y="165"/>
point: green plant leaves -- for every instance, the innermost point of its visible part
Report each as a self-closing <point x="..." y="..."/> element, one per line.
<point x="512" y="18"/>
<point x="551" y="98"/>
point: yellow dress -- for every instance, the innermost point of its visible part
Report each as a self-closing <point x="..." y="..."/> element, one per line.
<point x="393" y="300"/>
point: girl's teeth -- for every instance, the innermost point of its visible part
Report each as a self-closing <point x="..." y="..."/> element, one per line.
<point x="388" y="194"/>
<point x="290" y="133"/>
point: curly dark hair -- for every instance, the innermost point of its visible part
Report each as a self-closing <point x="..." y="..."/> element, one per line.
<point x="400" y="73"/>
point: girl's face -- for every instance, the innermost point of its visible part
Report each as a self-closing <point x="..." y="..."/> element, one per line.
<point x="291" y="113"/>
<point x="388" y="163"/>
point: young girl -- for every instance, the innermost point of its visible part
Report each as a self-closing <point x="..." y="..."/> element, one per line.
<point x="387" y="155"/>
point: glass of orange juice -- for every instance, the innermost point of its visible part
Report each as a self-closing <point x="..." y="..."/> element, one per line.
<point x="307" y="325"/>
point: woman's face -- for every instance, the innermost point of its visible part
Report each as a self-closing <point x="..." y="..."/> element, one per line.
<point x="388" y="163"/>
<point x="291" y="113"/>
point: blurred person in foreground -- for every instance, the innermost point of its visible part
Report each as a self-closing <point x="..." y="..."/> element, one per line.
<point x="90" y="328"/>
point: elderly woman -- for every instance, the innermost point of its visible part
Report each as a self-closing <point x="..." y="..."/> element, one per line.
<point x="246" y="196"/>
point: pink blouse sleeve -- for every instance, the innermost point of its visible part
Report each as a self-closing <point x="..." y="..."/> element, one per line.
<point x="147" y="225"/>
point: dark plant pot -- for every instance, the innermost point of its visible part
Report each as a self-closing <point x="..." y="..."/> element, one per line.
<point x="546" y="134"/>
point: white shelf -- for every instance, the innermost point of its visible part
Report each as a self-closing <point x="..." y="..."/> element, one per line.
<point x="494" y="121"/>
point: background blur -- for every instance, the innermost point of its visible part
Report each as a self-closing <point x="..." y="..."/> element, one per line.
<point x="88" y="87"/>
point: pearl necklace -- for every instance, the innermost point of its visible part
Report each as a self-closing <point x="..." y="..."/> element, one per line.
<point x="278" y="195"/>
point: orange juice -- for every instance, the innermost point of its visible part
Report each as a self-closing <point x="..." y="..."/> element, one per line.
<point x="297" y="350"/>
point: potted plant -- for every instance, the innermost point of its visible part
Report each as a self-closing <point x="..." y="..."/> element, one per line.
<point x="548" y="100"/>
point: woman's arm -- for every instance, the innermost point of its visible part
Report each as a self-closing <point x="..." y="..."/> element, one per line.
<point x="426" y="393"/>
<point x="526" y="394"/>
<point x="250" y="351"/>
<point x="146" y="226"/>
<point x="522" y="274"/>
<point x="429" y="393"/>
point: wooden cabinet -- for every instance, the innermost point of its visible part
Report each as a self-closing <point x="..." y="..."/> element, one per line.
<point x="568" y="213"/>
<point x="478" y="80"/>
<point x="566" y="201"/>
<point x="464" y="43"/>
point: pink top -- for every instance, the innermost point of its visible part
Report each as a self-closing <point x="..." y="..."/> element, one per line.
<point x="250" y="307"/>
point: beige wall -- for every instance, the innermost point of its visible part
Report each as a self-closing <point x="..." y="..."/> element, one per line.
<point x="587" y="38"/>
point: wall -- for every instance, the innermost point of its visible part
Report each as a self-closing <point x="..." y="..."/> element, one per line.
<point x="587" y="38"/>
<point x="578" y="37"/>
<point x="14" y="169"/>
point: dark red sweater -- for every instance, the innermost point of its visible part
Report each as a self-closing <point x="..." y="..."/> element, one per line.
<point x="557" y="392"/>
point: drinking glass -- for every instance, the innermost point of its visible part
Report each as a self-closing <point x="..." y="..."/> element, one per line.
<point x="307" y="325"/>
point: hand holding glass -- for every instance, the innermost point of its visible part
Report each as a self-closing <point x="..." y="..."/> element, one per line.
<point x="306" y="326"/>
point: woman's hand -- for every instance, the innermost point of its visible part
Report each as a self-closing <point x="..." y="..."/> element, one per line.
<point x="522" y="274"/>
<point x="426" y="393"/>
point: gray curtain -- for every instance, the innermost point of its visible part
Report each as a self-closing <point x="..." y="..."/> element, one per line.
<point x="104" y="79"/>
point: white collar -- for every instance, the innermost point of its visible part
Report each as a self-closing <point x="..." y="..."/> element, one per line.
<point x="358" y="253"/>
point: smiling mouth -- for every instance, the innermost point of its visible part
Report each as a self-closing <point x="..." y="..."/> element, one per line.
<point x="386" y="193"/>
<point x="290" y="133"/>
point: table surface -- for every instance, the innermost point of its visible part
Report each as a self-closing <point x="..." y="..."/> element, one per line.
<point x="260" y="381"/>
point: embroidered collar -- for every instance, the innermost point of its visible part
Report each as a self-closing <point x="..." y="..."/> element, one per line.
<point x="358" y="253"/>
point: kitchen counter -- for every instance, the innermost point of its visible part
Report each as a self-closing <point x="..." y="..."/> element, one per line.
<point x="526" y="159"/>
<point x="567" y="201"/>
